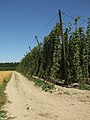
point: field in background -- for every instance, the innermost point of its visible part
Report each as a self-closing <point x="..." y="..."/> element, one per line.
<point x="4" y="75"/>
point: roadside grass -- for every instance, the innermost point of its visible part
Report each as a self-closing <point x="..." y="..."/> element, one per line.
<point x="84" y="87"/>
<point x="50" y="87"/>
<point x="3" y="97"/>
<point x="46" y="86"/>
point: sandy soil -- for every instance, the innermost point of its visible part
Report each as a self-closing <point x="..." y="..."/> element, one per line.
<point x="28" y="102"/>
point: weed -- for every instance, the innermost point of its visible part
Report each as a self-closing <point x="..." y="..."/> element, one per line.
<point x="67" y="93"/>
<point x="30" y="78"/>
<point x="38" y="82"/>
<point x="84" y="87"/>
<point x="2" y="114"/>
<point x="45" y="85"/>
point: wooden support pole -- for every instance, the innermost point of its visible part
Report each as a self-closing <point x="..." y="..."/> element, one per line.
<point x="37" y="39"/>
<point x="63" y="45"/>
<point x="30" y="48"/>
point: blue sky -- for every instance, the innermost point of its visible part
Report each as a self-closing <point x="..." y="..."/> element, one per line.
<point x="21" y="20"/>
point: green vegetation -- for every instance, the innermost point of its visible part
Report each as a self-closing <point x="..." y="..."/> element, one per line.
<point x="84" y="87"/>
<point x="46" y="59"/>
<point x="45" y="85"/>
<point x="8" y="66"/>
<point x="3" y="97"/>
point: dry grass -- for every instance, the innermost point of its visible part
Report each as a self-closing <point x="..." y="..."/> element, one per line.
<point x="4" y="78"/>
<point x="4" y="74"/>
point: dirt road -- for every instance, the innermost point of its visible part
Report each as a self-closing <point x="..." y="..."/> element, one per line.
<point x="28" y="102"/>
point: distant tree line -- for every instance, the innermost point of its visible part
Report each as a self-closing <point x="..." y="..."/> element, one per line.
<point x="8" y="66"/>
<point x="46" y="59"/>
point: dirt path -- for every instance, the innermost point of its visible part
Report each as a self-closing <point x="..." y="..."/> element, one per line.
<point x="28" y="102"/>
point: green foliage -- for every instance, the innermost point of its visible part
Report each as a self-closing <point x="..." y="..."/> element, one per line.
<point x="46" y="60"/>
<point x="76" y="71"/>
<point x="39" y="82"/>
<point x="88" y="46"/>
<point x="67" y="76"/>
<point x="84" y="87"/>
<point x="45" y="85"/>
<point x="8" y="66"/>
<point x="55" y="68"/>
<point x="2" y="114"/>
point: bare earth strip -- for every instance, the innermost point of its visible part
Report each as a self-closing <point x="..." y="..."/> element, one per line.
<point x="28" y="102"/>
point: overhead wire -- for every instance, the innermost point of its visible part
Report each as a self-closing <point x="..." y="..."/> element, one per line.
<point x="74" y="17"/>
<point x="47" y="24"/>
<point x="71" y="14"/>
